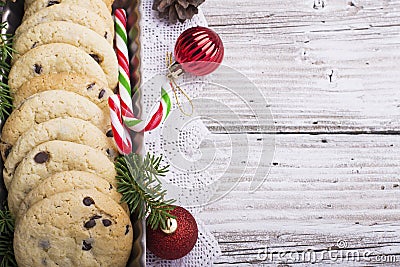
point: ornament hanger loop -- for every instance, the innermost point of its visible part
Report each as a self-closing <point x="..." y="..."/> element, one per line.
<point x="175" y="70"/>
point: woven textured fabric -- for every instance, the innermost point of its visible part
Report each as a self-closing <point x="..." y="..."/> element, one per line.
<point x="179" y="138"/>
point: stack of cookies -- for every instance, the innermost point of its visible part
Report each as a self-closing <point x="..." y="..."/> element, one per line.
<point x="57" y="144"/>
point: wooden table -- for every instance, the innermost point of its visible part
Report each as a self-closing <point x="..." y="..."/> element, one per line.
<point x="330" y="71"/>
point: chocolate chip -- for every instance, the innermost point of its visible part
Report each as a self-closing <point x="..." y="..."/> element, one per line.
<point x="95" y="217"/>
<point x="111" y="187"/>
<point x="86" y="246"/>
<point x="90" y="86"/>
<point x="101" y="94"/>
<point x="111" y="152"/>
<point x="95" y="57"/>
<point x="34" y="44"/>
<point x="127" y="230"/>
<point x="106" y="35"/>
<point x="107" y="222"/>
<point x="87" y="201"/>
<point x="51" y="3"/>
<point x="90" y="224"/>
<point x="44" y="244"/>
<point x="41" y="157"/>
<point x="7" y="152"/>
<point x="110" y="134"/>
<point x="38" y="68"/>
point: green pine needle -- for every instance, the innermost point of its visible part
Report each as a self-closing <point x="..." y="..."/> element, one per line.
<point x="141" y="189"/>
<point x="6" y="221"/>
<point x="6" y="239"/>
<point x="6" y="52"/>
<point x="7" y="258"/>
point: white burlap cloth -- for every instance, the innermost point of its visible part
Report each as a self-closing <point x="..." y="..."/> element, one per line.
<point x="176" y="142"/>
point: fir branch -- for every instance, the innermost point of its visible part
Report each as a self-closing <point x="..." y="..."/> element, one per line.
<point x="6" y="239"/>
<point x="6" y="52"/>
<point x="6" y="221"/>
<point x="141" y="189"/>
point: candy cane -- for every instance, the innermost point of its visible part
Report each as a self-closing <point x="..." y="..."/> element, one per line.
<point x="125" y="91"/>
<point x="157" y="115"/>
<point x="121" y="110"/>
<point x="121" y="43"/>
<point x="121" y="134"/>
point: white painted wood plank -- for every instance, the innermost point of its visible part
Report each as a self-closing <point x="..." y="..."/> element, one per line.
<point x="256" y="248"/>
<point x="321" y="69"/>
<point x="320" y="189"/>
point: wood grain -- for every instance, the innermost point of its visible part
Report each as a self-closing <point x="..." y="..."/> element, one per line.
<point x="321" y="189"/>
<point x="321" y="69"/>
<point x="328" y="73"/>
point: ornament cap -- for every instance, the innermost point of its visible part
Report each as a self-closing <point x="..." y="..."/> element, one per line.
<point x="171" y="226"/>
<point x="174" y="71"/>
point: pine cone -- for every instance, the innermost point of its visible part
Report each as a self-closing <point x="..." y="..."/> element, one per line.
<point x="175" y="10"/>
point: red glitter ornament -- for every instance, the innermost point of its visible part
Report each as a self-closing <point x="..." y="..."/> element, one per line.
<point x="199" y="50"/>
<point x="177" y="240"/>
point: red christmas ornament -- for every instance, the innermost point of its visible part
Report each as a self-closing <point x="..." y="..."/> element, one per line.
<point x="199" y="51"/>
<point x="177" y="240"/>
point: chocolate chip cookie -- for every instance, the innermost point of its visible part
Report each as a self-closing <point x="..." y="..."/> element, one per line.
<point x="70" y="33"/>
<point x="67" y="12"/>
<point x="52" y="58"/>
<point x="63" y="129"/>
<point x="89" y="87"/>
<point x="81" y="228"/>
<point x="49" y="105"/>
<point x="65" y="182"/>
<point x="52" y="157"/>
<point x="97" y="6"/>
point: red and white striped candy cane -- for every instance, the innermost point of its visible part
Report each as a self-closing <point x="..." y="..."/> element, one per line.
<point x="125" y="90"/>
<point x="121" y="45"/>
<point x="157" y="115"/>
<point x="121" y="134"/>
